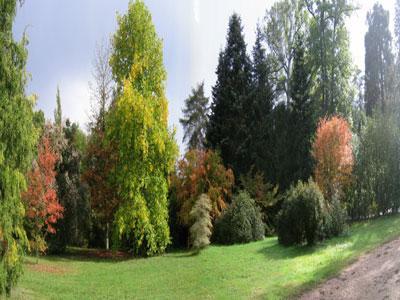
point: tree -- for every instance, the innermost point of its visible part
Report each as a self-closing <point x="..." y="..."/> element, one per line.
<point x="195" y="118"/>
<point x="58" y="110"/>
<point x="333" y="156"/>
<point x="375" y="189"/>
<point x="378" y="61"/>
<point x="201" y="172"/>
<point x="135" y="41"/>
<point x="302" y="216"/>
<point x="265" y="196"/>
<point x="99" y="161"/>
<point x="138" y="127"/>
<point x="145" y="158"/>
<point x="100" y="157"/>
<point x="102" y="88"/>
<point x="69" y="142"/>
<point x="330" y="55"/>
<point x="200" y="231"/>
<point x="240" y="223"/>
<point x="302" y="117"/>
<point x="227" y="131"/>
<point x="17" y="142"/>
<point x="397" y="25"/>
<point x="284" y="22"/>
<point x="259" y="110"/>
<point x="41" y="204"/>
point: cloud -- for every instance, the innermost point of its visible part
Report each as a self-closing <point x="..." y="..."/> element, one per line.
<point x="196" y="11"/>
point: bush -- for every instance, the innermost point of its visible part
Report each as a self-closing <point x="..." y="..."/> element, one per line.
<point x="335" y="219"/>
<point x="301" y="218"/>
<point x="265" y="196"/>
<point x="200" y="231"/>
<point x="241" y="222"/>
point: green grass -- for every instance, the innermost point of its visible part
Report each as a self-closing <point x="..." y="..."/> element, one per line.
<point x="262" y="269"/>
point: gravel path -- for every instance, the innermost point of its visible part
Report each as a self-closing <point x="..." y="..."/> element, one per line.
<point x="374" y="276"/>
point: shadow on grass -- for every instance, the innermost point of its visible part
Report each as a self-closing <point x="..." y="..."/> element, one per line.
<point x="276" y="251"/>
<point x="87" y="255"/>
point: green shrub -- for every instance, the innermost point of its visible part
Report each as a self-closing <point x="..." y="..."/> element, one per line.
<point x="301" y="218"/>
<point x="241" y="222"/>
<point x="200" y="231"/>
<point x="335" y="219"/>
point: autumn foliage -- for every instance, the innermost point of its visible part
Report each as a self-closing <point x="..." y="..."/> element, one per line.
<point x="333" y="155"/>
<point x="41" y="203"/>
<point x="197" y="173"/>
<point x="100" y="159"/>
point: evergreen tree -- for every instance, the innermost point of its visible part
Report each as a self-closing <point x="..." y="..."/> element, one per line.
<point x="195" y="118"/>
<point x="302" y="117"/>
<point x="378" y="61"/>
<point x="260" y="106"/>
<point x="17" y="142"/>
<point x="227" y="129"/>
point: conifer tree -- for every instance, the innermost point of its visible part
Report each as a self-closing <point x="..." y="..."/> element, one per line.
<point x="227" y="130"/>
<point x="302" y="117"/>
<point x="259" y="110"/>
<point x="195" y="118"/>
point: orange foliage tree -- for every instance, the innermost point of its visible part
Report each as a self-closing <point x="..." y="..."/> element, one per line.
<point x="201" y="172"/>
<point x="333" y="155"/>
<point x="100" y="160"/>
<point x="40" y="199"/>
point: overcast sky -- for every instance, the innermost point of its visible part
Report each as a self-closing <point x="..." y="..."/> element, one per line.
<point x="63" y="34"/>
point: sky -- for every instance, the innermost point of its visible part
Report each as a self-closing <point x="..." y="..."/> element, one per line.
<point x="63" y="35"/>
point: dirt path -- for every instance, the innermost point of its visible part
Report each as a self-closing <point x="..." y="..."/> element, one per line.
<point x="374" y="276"/>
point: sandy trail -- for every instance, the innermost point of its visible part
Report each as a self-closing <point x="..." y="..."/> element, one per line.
<point x="374" y="276"/>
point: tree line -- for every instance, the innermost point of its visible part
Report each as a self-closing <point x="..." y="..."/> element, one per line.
<point x="296" y="141"/>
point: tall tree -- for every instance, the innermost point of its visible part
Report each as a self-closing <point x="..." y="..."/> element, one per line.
<point x="227" y="130"/>
<point x="259" y="109"/>
<point x="138" y="125"/>
<point x="100" y="157"/>
<point x="284" y="22"/>
<point x="17" y="142"/>
<point x="330" y="55"/>
<point x="379" y="61"/>
<point x="69" y="142"/>
<point x="195" y="118"/>
<point x="302" y="117"/>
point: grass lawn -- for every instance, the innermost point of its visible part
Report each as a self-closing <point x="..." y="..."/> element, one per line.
<point x="262" y="269"/>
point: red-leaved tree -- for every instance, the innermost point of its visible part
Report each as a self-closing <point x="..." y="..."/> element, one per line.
<point x="41" y="203"/>
<point x="333" y="155"/>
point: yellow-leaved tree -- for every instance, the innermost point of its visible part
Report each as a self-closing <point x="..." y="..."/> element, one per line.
<point x="137" y="125"/>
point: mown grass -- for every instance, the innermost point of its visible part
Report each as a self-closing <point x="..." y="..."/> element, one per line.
<point x="263" y="270"/>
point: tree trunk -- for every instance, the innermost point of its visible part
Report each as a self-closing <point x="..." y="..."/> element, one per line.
<point x="107" y="237"/>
